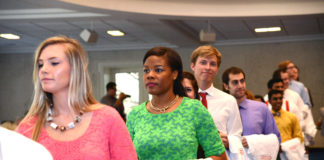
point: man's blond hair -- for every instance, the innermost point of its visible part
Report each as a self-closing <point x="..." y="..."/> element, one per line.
<point x="206" y="51"/>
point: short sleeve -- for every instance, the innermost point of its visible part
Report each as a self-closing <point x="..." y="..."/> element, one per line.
<point x="207" y="133"/>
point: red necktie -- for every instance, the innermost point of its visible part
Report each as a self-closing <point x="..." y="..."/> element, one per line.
<point x="203" y="98"/>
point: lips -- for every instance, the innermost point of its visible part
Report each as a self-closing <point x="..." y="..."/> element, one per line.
<point x="46" y="79"/>
<point x="151" y="84"/>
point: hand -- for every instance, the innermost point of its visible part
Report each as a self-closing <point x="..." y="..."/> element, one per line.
<point x="224" y="139"/>
<point x="244" y="143"/>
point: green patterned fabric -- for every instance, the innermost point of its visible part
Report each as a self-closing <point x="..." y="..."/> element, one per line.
<point x="174" y="135"/>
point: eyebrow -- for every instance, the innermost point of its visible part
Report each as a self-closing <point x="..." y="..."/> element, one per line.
<point x="51" y="58"/>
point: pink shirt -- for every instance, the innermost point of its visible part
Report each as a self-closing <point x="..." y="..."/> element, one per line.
<point x="106" y="138"/>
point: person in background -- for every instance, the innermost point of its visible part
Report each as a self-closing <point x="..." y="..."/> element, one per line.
<point x="259" y="98"/>
<point x="205" y="61"/>
<point x="296" y="86"/>
<point x="111" y="100"/>
<point x="170" y="126"/>
<point x="256" y="117"/>
<point x="190" y="85"/>
<point x="287" y="123"/>
<point x="64" y="116"/>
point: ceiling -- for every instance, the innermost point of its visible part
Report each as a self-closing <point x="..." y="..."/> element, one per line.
<point x="149" y="23"/>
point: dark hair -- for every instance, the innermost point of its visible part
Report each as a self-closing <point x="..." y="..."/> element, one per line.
<point x="231" y="70"/>
<point x="259" y="96"/>
<point x="110" y="85"/>
<point x="174" y="61"/>
<point x="276" y="74"/>
<point x="272" y="92"/>
<point x="273" y="81"/>
<point x="193" y="82"/>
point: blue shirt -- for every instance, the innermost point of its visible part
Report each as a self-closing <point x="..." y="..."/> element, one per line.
<point x="301" y="90"/>
<point x="257" y="119"/>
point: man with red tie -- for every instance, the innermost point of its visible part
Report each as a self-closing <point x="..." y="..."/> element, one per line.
<point x="205" y="61"/>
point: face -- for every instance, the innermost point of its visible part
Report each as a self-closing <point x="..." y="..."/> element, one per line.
<point x="276" y="101"/>
<point x="205" y="69"/>
<point x="54" y="69"/>
<point x="236" y="85"/>
<point x="187" y="85"/>
<point x="291" y="70"/>
<point x="112" y="91"/>
<point x="158" y="77"/>
<point x="278" y="86"/>
<point x="285" y="78"/>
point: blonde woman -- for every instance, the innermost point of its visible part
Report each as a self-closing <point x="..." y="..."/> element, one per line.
<point x="64" y="115"/>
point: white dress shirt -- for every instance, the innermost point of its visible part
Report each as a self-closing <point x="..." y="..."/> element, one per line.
<point x="226" y="115"/>
<point x="224" y="110"/>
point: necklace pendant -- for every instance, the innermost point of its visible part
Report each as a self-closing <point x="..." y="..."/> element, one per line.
<point x="77" y="119"/>
<point x="62" y="128"/>
<point x="71" y="125"/>
<point x="54" y="126"/>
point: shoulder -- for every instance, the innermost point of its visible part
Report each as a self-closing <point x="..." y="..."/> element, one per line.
<point x="224" y="95"/>
<point x="27" y="125"/>
<point x="138" y="109"/>
<point x="104" y="111"/>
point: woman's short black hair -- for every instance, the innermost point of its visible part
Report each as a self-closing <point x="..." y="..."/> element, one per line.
<point x="175" y="63"/>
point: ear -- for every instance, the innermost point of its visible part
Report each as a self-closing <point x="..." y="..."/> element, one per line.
<point x="192" y="66"/>
<point x="174" y="74"/>
<point x="226" y="86"/>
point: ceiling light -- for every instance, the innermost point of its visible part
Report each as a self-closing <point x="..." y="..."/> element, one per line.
<point x="115" y="33"/>
<point x="9" y="36"/>
<point x="269" y="29"/>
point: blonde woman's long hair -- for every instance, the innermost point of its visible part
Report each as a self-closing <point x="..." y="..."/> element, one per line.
<point x="80" y="96"/>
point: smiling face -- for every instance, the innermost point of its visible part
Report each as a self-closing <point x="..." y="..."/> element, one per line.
<point x="205" y="69"/>
<point x="54" y="69"/>
<point x="189" y="89"/>
<point x="236" y="85"/>
<point x="158" y="76"/>
<point x="276" y="101"/>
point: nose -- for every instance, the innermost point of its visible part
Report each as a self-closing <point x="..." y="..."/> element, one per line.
<point x="44" y="69"/>
<point x="149" y="75"/>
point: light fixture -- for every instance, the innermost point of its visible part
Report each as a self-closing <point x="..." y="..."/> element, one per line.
<point x="115" y="33"/>
<point x="269" y="29"/>
<point x="89" y="36"/>
<point x="207" y="36"/>
<point x="9" y="36"/>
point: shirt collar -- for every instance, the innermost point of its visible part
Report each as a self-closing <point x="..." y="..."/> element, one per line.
<point x="208" y="90"/>
<point x="243" y="104"/>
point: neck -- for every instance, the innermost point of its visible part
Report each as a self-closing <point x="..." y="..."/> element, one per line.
<point x="204" y="85"/>
<point x="240" y="100"/>
<point x="60" y="101"/>
<point x="163" y="100"/>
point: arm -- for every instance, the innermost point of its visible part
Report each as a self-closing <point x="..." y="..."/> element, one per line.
<point x="297" y="132"/>
<point x="270" y="124"/>
<point x="208" y="136"/>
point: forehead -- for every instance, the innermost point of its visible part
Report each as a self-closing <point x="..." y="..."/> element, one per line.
<point x="186" y="82"/>
<point x="156" y="60"/>
<point x="283" y="74"/>
<point x="278" y="84"/>
<point x="53" y="51"/>
<point x="233" y="77"/>
<point x="207" y="57"/>
<point x="278" y="95"/>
